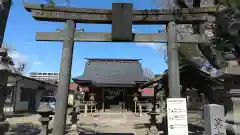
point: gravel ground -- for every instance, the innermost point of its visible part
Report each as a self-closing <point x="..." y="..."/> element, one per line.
<point x="100" y="124"/>
<point x="24" y="125"/>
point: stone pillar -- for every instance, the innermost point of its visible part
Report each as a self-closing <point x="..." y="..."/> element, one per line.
<point x="140" y="109"/>
<point x="231" y="76"/>
<point x="103" y="100"/>
<point x="173" y="61"/>
<point x="3" y="84"/>
<point x="85" y="109"/>
<point x="65" y="73"/>
<point x="214" y="120"/>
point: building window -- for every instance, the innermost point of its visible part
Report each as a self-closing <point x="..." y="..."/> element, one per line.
<point x="24" y="95"/>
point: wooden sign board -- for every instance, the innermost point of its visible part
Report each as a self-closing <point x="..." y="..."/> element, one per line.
<point x="177" y="116"/>
<point x="122" y="22"/>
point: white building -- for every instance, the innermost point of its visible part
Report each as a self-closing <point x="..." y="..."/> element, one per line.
<point x="44" y="76"/>
<point x="24" y="93"/>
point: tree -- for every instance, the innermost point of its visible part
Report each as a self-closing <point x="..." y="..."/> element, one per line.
<point x="7" y="62"/>
<point x="52" y="2"/>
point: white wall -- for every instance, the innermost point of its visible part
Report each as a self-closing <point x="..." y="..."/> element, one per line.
<point x="23" y="105"/>
<point x="38" y="98"/>
<point x="20" y="105"/>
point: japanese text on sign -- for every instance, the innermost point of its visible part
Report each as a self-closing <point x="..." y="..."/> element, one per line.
<point x="177" y="116"/>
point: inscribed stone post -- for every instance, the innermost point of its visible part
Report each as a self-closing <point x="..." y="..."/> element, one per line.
<point x="214" y="120"/>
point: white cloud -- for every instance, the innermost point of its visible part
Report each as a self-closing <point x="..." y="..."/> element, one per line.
<point x="18" y="58"/>
<point x="37" y="63"/>
<point x="156" y="46"/>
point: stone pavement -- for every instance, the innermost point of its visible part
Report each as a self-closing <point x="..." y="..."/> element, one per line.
<point x="101" y="124"/>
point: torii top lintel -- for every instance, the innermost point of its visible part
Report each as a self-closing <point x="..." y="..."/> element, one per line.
<point x="43" y="12"/>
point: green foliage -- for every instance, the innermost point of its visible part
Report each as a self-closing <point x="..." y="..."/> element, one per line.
<point x="51" y="2"/>
<point x="208" y="68"/>
<point x="233" y="3"/>
<point x="157" y="75"/>
<point x="7" y="60"/>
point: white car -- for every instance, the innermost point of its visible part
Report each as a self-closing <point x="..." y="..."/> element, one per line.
<point x="51" y="100"/>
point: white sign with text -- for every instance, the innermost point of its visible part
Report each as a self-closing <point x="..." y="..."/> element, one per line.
<point x="177" y="116"/>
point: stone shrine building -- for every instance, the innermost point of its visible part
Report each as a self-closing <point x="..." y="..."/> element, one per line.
<point x="113" y="82"/>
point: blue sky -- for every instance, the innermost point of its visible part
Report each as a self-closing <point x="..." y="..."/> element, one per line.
<point x="46" y="56"/>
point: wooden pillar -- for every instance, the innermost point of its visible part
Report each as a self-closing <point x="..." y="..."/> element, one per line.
<point x="124" y="101"/>
<point x="103" y="101"/>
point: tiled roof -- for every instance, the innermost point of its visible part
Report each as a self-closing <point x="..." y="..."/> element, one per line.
<point x="185" y="69"/>
<point x="112" y="71"/>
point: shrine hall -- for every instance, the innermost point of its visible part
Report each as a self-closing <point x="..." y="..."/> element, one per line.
<point x="113" y="82"/>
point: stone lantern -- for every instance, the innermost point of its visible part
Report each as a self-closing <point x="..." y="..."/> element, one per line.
<point x="45" y="111"/>
<point x="231" y="76"/>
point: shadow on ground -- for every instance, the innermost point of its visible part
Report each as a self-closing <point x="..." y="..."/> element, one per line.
<point x="193" y="129"/>
<point x="90" y="129"/>
<point x="84" y="133"/>
<point x="24" y="129"/>
<point x="115" y="134"/>
<point x="19" y="115"/>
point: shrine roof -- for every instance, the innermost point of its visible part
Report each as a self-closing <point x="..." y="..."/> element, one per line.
<point x="112" y="72"/>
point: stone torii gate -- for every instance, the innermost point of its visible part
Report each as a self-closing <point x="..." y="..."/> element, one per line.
<point x="122" y="17"/>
